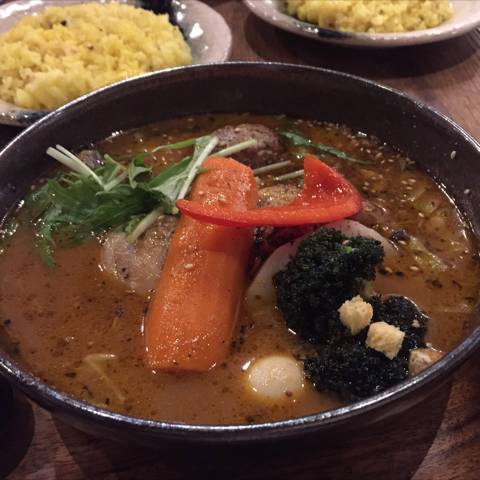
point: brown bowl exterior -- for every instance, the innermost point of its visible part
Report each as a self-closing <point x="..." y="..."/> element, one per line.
<point x="264" y="88"/>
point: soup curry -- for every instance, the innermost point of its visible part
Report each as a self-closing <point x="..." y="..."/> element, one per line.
<point x="80" y="327"/>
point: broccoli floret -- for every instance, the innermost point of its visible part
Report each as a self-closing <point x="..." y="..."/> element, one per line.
<point x="354" y="371"/>
<point x="404" y="314"/>
<point x="327" y="269"/>
<point x="349" y="368"/>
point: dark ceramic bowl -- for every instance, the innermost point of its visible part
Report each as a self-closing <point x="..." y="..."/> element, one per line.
<point x="423" y="134"/>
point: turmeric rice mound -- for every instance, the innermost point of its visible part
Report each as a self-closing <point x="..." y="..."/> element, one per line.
<point x="49" y="59"/>
<point x="372" y="16"/>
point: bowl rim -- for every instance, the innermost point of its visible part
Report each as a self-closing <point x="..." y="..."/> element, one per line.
<point x="39" y="390"/>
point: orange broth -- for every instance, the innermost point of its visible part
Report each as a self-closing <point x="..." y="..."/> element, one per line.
<point x="55" y="318"/>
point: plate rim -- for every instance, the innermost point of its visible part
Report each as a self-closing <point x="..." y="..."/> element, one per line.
<point x="360" y="39"/>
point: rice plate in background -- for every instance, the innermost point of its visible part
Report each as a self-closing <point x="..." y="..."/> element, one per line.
<point x="372" y="16"/>
<point x="49" y="59"/>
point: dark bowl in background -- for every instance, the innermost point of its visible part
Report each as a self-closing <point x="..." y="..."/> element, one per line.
<point x="266" y="88"/>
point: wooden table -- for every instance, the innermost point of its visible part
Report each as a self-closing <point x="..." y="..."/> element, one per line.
<point x="437" y="440"/>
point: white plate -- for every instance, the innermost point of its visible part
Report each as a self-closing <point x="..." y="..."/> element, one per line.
<point x="206" y="31"/>
<point x="466" y="17"/>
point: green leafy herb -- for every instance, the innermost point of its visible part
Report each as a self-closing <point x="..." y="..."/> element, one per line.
<point x="203" y="148"/>
<point x="300" y="141"/>
<point x="137" y="167"/>
<point x="190" y="142"/>
<point x="85" y="202"/>
<point x="71" y="161"/>
<point x="226" y="152"/>
<point x="272" y="167"/>
<point x="144" y="224"/>
<point x="173" y="183"/>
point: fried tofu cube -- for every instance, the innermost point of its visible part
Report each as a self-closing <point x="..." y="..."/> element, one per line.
<point x="421" y="358"/>
<point x="356" y="314"/>
<point x="385" y="338"/>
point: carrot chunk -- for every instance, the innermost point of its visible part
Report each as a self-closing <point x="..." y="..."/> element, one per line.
<point x="193" y="312"/>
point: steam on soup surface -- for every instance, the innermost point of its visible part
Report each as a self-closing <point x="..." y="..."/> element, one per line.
<point x="80" y="325"/>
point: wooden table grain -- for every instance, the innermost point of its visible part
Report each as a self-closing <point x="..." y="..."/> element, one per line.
<point x="439" y="439"/>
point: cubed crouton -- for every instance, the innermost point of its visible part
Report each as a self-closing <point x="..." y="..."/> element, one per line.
<point x="356" y="314"/>
<point x="422" y="358"/>
<point x="385" y="338"/>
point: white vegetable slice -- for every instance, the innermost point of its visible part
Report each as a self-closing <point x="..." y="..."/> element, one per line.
<point x="261" y="290"/>
<point x="351" y="228"/>
<point x="422" y="358"/>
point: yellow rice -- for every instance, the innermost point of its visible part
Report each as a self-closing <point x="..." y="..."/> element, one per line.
<point x="49" y="59"/>
<point x="372" y="16"/>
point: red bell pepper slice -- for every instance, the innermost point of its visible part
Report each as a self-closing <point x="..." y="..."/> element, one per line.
<point x="326" y="197"/>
